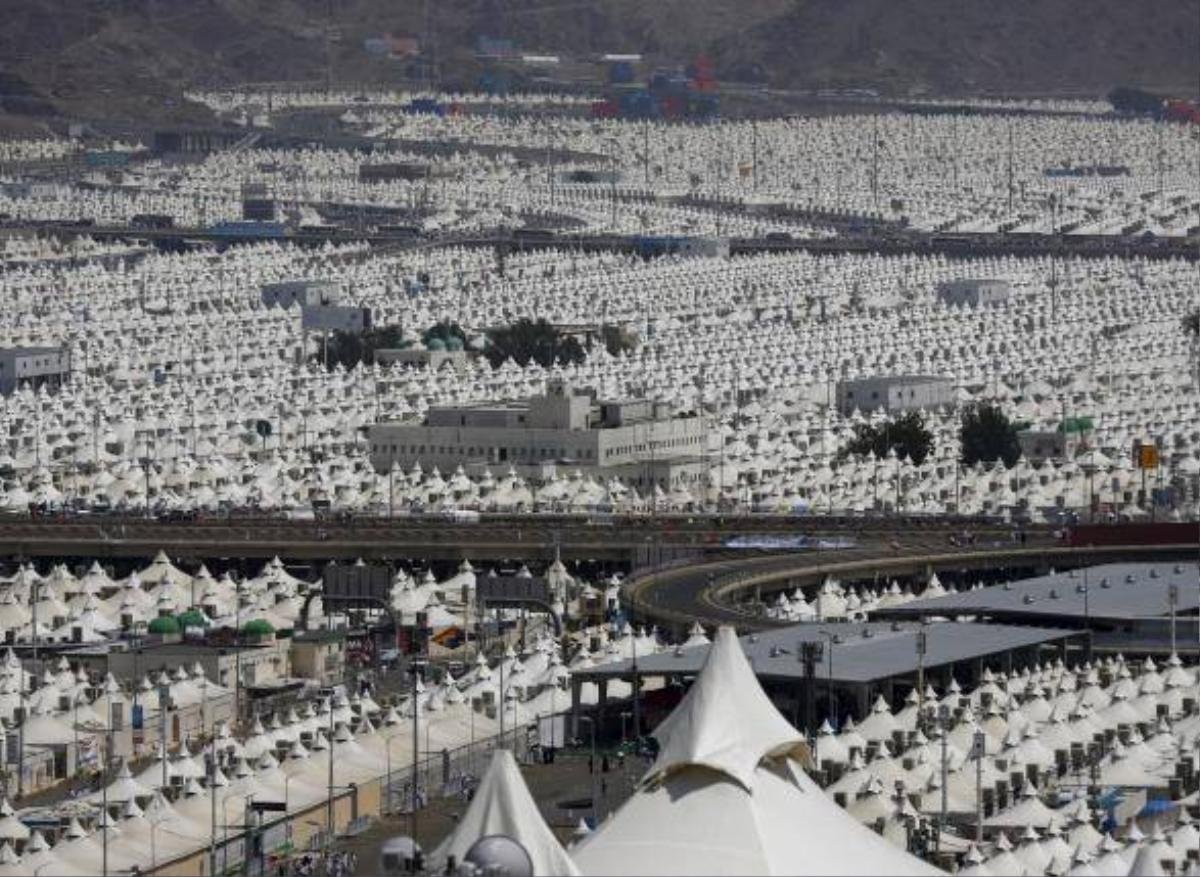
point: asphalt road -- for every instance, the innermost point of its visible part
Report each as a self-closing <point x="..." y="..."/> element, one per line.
<point x="890" y="242"/>
<point x="724" y="591"/>
<point x="635" y="540"/>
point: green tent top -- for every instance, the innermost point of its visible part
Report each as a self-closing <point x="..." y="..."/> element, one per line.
<point x="163" y="625"/>
<point x="1077" y="424"/>
<point x="193" y="618"/>
<point x="258" y="627"/>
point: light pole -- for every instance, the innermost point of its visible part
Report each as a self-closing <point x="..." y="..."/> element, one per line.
<point x="592" y="728"/>
<point x="943" y="721"/>
<point x="922" y="646"/>
<point x="1172" y="601"/>
<point x="834" y="640"/>
<point x="416" y="709"/>
<point x="329" y="801"/>
<point x="387" y="796"/>
<point x="978" y="749"/>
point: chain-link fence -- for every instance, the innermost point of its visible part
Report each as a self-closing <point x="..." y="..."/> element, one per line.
<point x="449" y="772"/>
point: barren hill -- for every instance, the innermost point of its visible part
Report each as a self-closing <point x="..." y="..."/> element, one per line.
<point x="132" y="58"/>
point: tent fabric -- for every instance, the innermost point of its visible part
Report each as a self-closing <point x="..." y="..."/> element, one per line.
<point x="725" y="722"/>
<point x="503" y="805"/>
<point x="726" y="795"/>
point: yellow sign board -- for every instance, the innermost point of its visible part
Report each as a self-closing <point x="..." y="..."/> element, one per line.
<point x="1148" y="457"/>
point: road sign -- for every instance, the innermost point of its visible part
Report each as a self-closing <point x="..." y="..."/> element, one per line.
<point x="1145" y="455"/>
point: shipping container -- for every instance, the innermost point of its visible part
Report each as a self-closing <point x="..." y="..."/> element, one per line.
<point x="620" y="72"/>
<point x="99" y="158"/>
<point x="605" y="109"/>
<point x="425" y="106"/>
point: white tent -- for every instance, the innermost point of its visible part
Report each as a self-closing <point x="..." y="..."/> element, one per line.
<point x="728" y="796"/>
<point x="503" y="805"/>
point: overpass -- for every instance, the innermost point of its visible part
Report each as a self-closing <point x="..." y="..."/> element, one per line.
<point x="635" y="540"/>
<point x="735" y="590"/>
<point x="884" y="242"/>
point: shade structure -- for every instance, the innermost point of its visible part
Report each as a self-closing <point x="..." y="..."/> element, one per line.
<point x="727" y="795"/>
<point x="503" y="805"/>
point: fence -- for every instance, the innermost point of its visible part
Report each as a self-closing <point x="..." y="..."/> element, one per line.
<point x="449" y="772"/>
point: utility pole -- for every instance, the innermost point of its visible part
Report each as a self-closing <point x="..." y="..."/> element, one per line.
<point x="754" y="154"/>
<point x="1173" y="601"/>
<point x="978" y="751"/>
<point x="646" y="151"/>
<point x="637" y="726"/>
<point x="416" y="798"/>
<point x="1158" y="155"/>
<point x="943" y="717"/>
<point x="329" y="800"/>
<point x="212" y="798"/>
<point x="1010" y="165"/>
<point x="922" y="645"/>
<point x="955" y="178"/>
<point x="875" y="160"/>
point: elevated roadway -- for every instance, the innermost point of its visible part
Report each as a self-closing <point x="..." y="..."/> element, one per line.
<point x="885" y="242"/>
<point x="628" y="540"/>
<point x="733" y="590"/>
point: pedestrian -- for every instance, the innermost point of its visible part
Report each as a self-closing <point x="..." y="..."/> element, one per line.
<point x="604" y="763"/>
<point x="591" y="764"/>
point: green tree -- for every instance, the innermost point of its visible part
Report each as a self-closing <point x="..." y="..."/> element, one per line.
<point x="351" y="348"/>
<point x="527" y="340"/>
<point x="445" y="332"/>
<point x="617" y="340"/>
<point x="906" y="435"/>
<point x="988" y="435"/>
<point x="1191" y="324"/>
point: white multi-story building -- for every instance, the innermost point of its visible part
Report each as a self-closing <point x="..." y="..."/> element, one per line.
<point x="894" y="394"/>
<point x="309" y="293"/>
<point x="975" y="292"/>
<point x="567" y="429"/>
<point x="33" y="367"/>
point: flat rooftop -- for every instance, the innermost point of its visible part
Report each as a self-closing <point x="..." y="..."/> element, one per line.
<point x="1114" y="591"/>
<point x="866" y="653"/>
<point x="30" y="351"/>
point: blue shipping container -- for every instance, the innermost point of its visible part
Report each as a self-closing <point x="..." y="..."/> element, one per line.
<point x="620" y="72"/>
<point x="427" y="106"/>
<point x="106" y="159"/>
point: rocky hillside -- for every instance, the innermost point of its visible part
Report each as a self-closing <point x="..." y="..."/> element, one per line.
<point x="132" y="58"/>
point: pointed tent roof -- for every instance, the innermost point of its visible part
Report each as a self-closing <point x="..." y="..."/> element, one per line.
<point x="724" y="796"/>
<point x="503" y="805"/>
<point x="725" y="721"/>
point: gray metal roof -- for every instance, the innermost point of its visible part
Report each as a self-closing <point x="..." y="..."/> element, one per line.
<point x="888" y="650"/>
<point x="1113" y="591"/>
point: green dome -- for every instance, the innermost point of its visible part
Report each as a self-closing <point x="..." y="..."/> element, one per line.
<point x="436" y="344"/>
<point x="258" y="627"/>
<point x="193" y="618"/>
<point x="164" y="625"/>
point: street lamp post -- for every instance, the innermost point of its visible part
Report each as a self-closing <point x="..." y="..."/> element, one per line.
<point x="922" y="647"/>
<point x="592" y="728"/>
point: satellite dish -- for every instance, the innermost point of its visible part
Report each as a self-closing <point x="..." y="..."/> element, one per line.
<point x="500" y="854"/>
